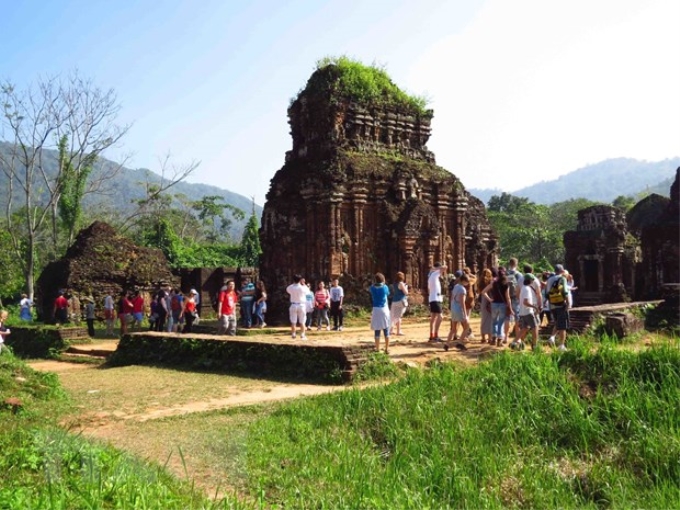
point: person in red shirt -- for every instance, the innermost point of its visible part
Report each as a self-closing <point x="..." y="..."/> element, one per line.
<point x="125" y="308"/>
<point x="61" y="308"/>
<point x="137" y="310"/>
<point x="226" y="306"/>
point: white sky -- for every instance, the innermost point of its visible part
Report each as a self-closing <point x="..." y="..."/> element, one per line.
<point x="522" y="90"/>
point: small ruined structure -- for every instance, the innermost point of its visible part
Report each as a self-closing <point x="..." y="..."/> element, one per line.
<point x="360" y="192"/>
<point x="601" y="256"/>
<point x="98" y="263"/>
<point x="616" y="257"/>
<point x="660" y="241"/>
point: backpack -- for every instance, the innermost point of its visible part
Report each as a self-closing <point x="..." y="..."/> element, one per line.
<point x="512" y="284"/>
<point x="556" y="292"/>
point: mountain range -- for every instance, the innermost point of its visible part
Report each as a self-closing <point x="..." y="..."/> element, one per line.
<point x="600" y="182"/>
<point x="130" y="186"/>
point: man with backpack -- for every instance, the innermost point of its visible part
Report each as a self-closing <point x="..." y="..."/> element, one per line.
<point x="558" y="297"/>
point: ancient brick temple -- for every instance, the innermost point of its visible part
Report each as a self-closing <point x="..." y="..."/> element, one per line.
<point x="360" y="192"/>
<point x="656" y="221"/>
<point x="601" y="256"/>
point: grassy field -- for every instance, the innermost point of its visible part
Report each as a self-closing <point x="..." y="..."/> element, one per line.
<point x="595" y="427"/>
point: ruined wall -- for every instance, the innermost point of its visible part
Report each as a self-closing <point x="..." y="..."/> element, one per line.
<point x="359" y="193"/>
<point x="601" y="256"/>
<point x="100" y="262"/>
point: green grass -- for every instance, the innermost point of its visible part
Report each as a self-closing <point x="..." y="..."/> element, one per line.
<point x="588" y="428"/>
<point x="348" y="78"/>
<point x="575" y="430"/>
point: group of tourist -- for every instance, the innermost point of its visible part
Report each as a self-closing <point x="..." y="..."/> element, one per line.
<point x="307" y="305"/>
<point x="509" y="301"/>
<point x="252" y="301"/>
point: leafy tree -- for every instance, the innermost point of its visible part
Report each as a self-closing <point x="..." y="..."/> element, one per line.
<point x="531" y="232"/>
<point x="72" y="182"/>
<point x="212" y="214"/>
<point x="625" y="203"/>
<point x="250" y="243"/>
<point x="38" y="118"/>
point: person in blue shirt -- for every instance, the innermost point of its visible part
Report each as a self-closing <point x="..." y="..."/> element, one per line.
<point x="380" y="318"/>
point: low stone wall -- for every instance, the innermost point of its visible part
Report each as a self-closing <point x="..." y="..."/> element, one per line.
<point x="289" y="359"/>
<point x="44" y="341"/>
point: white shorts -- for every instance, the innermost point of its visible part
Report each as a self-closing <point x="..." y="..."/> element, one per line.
<point x="297" y="313"/>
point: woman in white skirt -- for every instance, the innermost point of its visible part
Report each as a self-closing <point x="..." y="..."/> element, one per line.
<point x="380" y="319"/>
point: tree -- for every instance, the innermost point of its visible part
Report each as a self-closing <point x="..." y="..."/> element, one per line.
<point x="625" y="203"/>
<point x="72" y="112"/>
<point x="211" y="211"/>
<point x="250" y="243"/>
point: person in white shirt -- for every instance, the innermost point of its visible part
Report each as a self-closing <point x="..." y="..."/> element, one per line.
<point x="297" y="313"/>
<point x="434" y="288"/>
<point x="529" y="306"/>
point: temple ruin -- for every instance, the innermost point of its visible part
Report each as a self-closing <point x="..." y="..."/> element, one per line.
<point x="101" y="262"/>
<point x="616" y="256"/>
<point x="360" y="192"/>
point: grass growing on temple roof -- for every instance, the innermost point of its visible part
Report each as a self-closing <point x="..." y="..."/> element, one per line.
<point x="367" y="85"/>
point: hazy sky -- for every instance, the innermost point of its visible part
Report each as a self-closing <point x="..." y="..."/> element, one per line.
<point x="522" y="90"/>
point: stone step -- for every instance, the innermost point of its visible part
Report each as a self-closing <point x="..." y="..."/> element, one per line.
<point x="80" y="350"/>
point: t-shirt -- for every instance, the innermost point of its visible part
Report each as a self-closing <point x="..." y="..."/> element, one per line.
<point x="434" y="286"/>
<point x="298" y="293"/>
<point x="456" y="293"/>
<point x="527" y="292"/>
<point x="248" y="291"/>
<point x="108" y="303"/>
<point x="337" y="293"/>
<point x="321" y="297"/>
<point x="137" y="304"/>
<point x="61" y="303"/>
<point x="379" y="293"/>
<point x="228" y="301"/>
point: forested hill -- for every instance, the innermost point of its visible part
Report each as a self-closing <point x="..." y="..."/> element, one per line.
<point x="601" y="182"/>
<point x="130" y="185"/>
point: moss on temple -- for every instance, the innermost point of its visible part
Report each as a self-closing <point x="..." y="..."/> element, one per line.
<point x="343" y="78"/>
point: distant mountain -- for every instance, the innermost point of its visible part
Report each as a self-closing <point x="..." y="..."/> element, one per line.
<point x="601" y="182"/>
<point x="130" y="186"/>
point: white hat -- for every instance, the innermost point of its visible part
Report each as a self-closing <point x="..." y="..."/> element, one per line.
<point x="193" y="291"/>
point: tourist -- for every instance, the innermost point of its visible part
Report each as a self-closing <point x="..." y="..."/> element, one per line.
<point x="161" y="310"/>
<point x="4" y="330"/>
<point x="380" y="318"/>
<point x="322" y="304"/>
<point x="529" y="308"/>
<point x="545" y="310"/>
<point x="453" y="281"/>
<point x="189" y="312"/>
<point x="298" y="292"/>
<point x="570" y="287"/>
<point x="125" y="308"/>
<point x="309" y="304"/>
<point x="470" y="297"/>
<point x="61" y="308"/>
<point x="109" y="313"/>
<point x="226" y="306"/>
<point x="486" y="326"/>
<point x="260" y="303"/>
<point x="459" y="312"/>
<point x="558" y="296"/>
<point x="498" y="293"/>
<point x="515" y="283"/>
<point x="434" y="288"/>
<point x="176" y="307"/>
<point x="170" y="326"/>
<point x="247" y="296"/>
<point x="25" y="308"/>
<point x="74" y="308"/>
<point x="137" y="310"/>
<point x="337" y="298"/>
<point x="399" y="304"/>
<point x="89" y="315"/>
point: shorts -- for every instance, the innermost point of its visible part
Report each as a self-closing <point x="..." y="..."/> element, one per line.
<point x="108" y="314"/>
<point x="435" y="307"/>
<point x="297" y="313"/>
<point x="138" y="316"/>
<point x="561" y="317"/>
<point x="457" y="315"/>
<point x="528" y="321"/>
